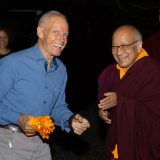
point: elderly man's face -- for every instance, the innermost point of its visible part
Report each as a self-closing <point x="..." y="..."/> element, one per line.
<point x="53" y="36"/>
<point x="124" y="49"/>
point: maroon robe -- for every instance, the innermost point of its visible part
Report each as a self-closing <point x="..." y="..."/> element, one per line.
<point x="135" y="123"/>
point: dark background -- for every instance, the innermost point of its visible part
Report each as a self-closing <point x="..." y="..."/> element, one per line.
<point x="87" y="53"/>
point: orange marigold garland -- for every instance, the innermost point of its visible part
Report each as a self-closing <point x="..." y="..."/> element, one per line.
<point x="43" y="125"/>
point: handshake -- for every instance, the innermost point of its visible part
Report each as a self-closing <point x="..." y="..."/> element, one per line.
<point x="79" y="124"/>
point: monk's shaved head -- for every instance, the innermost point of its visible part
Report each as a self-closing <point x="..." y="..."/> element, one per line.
<point x="129" y="30"/>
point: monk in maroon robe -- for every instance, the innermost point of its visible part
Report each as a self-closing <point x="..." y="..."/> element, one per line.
<point x="129" y="94"/>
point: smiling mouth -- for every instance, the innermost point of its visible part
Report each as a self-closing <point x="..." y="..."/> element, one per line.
<point x="58" y="45"/>
<point x="122" y="57"/>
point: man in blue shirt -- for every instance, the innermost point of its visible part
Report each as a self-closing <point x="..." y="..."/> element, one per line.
<point x="32" y="83"/>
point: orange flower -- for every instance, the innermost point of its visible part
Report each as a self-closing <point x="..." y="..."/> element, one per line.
<point x="43" y="125"/>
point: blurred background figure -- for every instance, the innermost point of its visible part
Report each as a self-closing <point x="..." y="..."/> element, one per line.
<point x="4" y="42"/>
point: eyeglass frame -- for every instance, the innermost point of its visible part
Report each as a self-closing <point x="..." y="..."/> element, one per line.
<point x="124" y="46"/>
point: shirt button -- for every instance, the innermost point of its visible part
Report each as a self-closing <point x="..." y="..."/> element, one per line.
<point x="44" y="102"/>
<point x="46" y="87"/>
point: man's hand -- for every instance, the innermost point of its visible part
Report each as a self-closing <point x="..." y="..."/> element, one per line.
<point x="104" y="114"/>
<point x="23" y="122"/>
<point x="109" y="101"/>
<point x="79" y="124"/>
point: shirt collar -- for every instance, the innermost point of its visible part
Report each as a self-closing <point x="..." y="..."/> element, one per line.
<point x="37" y="53"/>
<point x="39" y="57"/>
<point x="54" y="63"/>
<point x="142" y="54"/>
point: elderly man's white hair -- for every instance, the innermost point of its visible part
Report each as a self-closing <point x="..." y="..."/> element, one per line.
<point x="46" y="16"/>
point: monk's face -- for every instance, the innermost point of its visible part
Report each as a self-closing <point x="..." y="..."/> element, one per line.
<point x="125" y="48"/>
<point x="53" y="36"/>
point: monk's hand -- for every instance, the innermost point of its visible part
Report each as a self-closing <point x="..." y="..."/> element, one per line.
<point x="79" y="124"/>
<point x="23" y="122"/>
<point x="104" y="115"/>
<point x="109" y="101"/>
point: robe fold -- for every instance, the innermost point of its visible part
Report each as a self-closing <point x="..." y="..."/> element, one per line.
<point x="135" y="126"/>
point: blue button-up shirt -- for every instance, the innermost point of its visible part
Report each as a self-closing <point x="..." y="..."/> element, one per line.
<point x="27" y="88"/>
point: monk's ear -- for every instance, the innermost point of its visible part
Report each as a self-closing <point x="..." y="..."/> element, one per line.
<point x="139" y="45"/>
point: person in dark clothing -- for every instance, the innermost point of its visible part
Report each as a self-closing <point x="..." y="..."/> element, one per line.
<point x="129" y="99"/>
